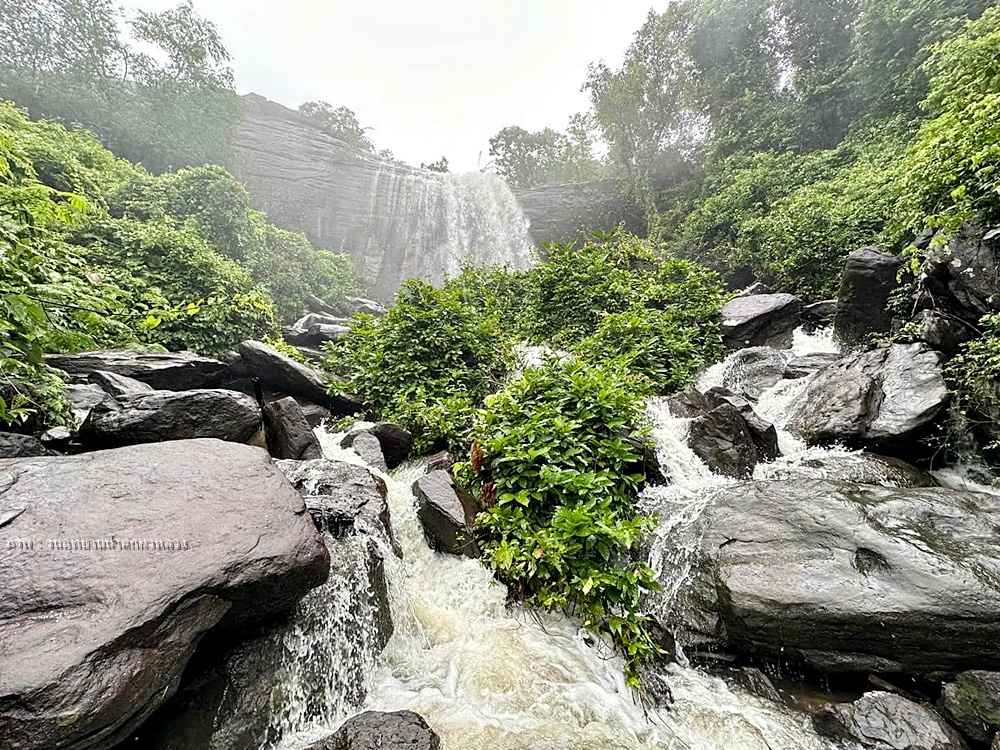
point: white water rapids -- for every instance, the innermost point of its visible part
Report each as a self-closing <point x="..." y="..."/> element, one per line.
<point x="485" y="676"/>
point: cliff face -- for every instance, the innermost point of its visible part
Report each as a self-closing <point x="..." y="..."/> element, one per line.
<point x="398" y="222"/>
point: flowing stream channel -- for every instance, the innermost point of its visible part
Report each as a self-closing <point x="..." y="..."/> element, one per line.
<point x="487" y="676"/>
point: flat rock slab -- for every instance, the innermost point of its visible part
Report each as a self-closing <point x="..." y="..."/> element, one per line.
<point x="760" y="320"/>
<point x="852" y="578"/>
<point x="116" y="563"/>
<point x="374" y="730"/>
<point x="179" y="371"/>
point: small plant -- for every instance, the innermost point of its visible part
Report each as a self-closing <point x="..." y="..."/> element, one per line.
<point x="551" y="466"/>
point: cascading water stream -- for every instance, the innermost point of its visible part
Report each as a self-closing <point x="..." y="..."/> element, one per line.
<point x="488" y="676"/>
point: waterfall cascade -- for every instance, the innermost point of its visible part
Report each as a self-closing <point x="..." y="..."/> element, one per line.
<point x="424" y="225"/>
<point x="485" y="675"/>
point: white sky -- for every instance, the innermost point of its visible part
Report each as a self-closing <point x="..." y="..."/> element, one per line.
<point x="429" y="77"/>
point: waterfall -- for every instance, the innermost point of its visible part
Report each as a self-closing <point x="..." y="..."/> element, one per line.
<point x="424" y="225"/>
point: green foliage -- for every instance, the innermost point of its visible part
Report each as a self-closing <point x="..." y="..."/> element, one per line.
<point x="440" y="166"/>
<point x="551" y="465"/>
<point x="974" y="375"/>
<point x="426" y="365"/>
<point x="953" y="171"/>
<point x="341" y="122"/>
<point x="527" y="160"/>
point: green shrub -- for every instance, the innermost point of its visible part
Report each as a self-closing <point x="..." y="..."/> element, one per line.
<point x="551" y="467"/>
<point x="974" y="375"/>
<point x="425" y="365"/>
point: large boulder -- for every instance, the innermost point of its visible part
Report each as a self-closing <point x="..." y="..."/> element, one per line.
<point x="963" y="278"/>
<point x="972" y="702"/>
<point x="178" y="371"/>
<point x="117" y="385"/>
<point x="289" y="435"/>
<point x="886" y="721"/>
<point x="807" y="364"/>
<point x="374" y="730"/>
<point x="21" y="446"/>
<point x="394" y="440"/>
<point x="943" y="332"/>
<point x="447" y="513"/>
<point x="884" y="400"/>
<point x="127" y="559"/>
<point x="850" y="578"/>
<point x="281" y="373"/>
<point x="760" y="320"/>
<point x="751" y="371"/>
<point x="862" y="306"/>
<point x="366" y="307"/>
<point x="157" y="416"/>
<point x="860" y="468"/>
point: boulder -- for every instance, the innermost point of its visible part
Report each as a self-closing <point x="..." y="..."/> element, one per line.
<point x="138" y="553"/>
<point x="860" y="468"/>
<point x="395" y="440"/>
<point x="758" y="287"/>
<point x="942" y="332"/>
<point x="283" y="374"/>
<point x="289" y="435"/>
<point x="760" y="320"/>
<point x="341" y="497"/>
<point x="116" y="385"/>
<point x="447" y="514"/>
<point x="884" y="400"/>
<point x="178" y="371"/>
<point x="886" y="721"/>
<point x="368" y="447"/>
<point x="374" y="730"/>
<point x="314" y="413"/>
<point x="850" y="578"/>
<point x="753" y="370"/>
<point x="647" y="463"/>
<point x="807" y="364"/>
<point x="315" y="305"/>
<point x="366" y="307"/>
<point x="13" y="445"/>
<point x="819" y="314"/>
<point x="83" y="398"/>
<point x="972" y="702"/>
<point x="763" y="433"/>
<point x="157" y="416"/>
<point x="862" y="306"/>
<point x="963" y="278"/>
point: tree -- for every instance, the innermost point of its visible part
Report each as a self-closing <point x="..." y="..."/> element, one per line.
<point x="547" y="157"/>
<point x="441" y="165"/>
<point x="340" y="122"/>
<point x="193" y="49"/>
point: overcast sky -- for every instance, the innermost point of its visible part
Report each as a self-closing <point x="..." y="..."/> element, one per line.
<point x="431" y="78"/>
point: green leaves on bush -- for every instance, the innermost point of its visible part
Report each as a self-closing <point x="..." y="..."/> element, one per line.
<point x="552" y="466"/>
<point x="975" y="377"/>
<point x="427" y="364"/>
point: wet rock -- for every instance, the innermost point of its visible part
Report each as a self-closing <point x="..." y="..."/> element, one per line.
<point x="884" y="400"/>
<point x="758" y="287"/>
<point x="374" y="730"/>
<point x="757" y="683"/>
<point x="157" y="416"/>
<point x="972" y="702"/>
<point x="963" y="278"/>
<point x="851" y="578"/>
<point x="649" y="463"/>
<point x="763" y="433"/>
<point x="177" y="371"/>
<point x="819" y="314"/>
<point x="116" y="385"/>
<point x="316" y="305"/>
<point x="860" y="468"/>
<point x="394" y="440"/>
<point x="83" y="398"/>
<point x="280" y="373"/>
<point x="753" y="370"/>
<point x="289" y="435"/>
<point x="862" y="306"/>
<point x="447" y="514"/>
<point x="760" y="320"/>
<point x="56" y="438"/>
<point x="942" y="332"/>
<point x="314" y="413"/>
<point x="440" y="461"/>
<point x="21" y="446"/>
<point x="807" y="364"/>
<point x="365" y="306"/>
<point x="185" y="538"/>
<point x="884" y="721"/>
<point x="368" y="447"/>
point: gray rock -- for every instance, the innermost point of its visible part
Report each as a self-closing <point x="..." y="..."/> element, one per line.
<point x="156" y="416"/>
<point x="447" y="514"/>
<point x="395" y="440"/>
<point x="850" y="578"/>
<point x="366" y="307"/>
<point x="756" y="682"/>
<point x="440" y="461"/>
<point x="283" y="374"/>
<point x="942" y="332"/>
<point x="807" y="364"/>
<point x="314" y="413"/>
<point x="972" y="702"/>
<point x="289" y="435"/>
<point x="13" y="445"/>
<point x="116" y="385"/>
<point x="860" y="468"/>
<point x="963" y="278"/>
<point x="178" y="371"/>
<point x="316" y="305"/>
<point x="763" y="433"/>
<point x="760" y="320"/>
<point x="82" y="400"/>
<point x="752" y="371"/>
<point x="366" y="445"/>
<point x="862" y="306"/>
<point x="819" y="314"/>
<point x="758" y="287"/>
<point x="885" y="721"/>
<point x="373" y="730"/>
<point x="152" y="548"/>
<point x="884" y="400"/>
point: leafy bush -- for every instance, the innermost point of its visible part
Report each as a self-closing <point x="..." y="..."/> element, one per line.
<point x="551" y="467"/>
<point x="426" y="365"/>
<point x="975" y="377"/>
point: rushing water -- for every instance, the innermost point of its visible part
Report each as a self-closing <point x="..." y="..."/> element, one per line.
<point x="423" y="225"/>
<point x="488" y="676"/>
